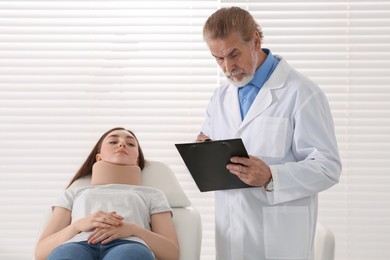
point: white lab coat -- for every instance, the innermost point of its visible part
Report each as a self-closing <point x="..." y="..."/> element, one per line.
<point x="290" y="127"/>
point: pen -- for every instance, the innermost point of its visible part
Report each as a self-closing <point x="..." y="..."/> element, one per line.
<point x="207" y="139"/>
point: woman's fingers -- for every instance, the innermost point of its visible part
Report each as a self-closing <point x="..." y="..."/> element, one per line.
<point x="103" y="219"/>
<point x="103" y="236"/>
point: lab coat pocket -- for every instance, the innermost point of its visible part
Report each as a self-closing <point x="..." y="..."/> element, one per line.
<point x="286" y="232"/>
<point x="272" y="134"/>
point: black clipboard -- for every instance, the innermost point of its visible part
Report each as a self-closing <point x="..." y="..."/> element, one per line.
<point x="206" y="161"/>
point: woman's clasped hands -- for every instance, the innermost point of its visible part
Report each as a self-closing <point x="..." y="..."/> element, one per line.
<point x="105" y="226"/>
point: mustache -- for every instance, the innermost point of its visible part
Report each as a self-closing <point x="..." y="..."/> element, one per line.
<point x="234" y="72"/>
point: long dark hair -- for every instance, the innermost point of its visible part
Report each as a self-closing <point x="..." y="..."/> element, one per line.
<point x="86" y="168"/>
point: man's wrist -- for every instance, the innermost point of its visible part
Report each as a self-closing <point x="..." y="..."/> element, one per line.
<point x="269" y="186"/>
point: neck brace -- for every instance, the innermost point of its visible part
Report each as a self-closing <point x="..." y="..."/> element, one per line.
<point x="109" y="173"/>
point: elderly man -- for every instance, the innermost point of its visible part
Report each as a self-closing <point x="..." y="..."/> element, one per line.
<point x="286" y="125"/>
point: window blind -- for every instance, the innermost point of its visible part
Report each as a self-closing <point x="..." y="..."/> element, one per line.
<point x="70" y="70"/>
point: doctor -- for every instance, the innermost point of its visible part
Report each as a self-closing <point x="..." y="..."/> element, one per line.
<point x="286" y="125"/>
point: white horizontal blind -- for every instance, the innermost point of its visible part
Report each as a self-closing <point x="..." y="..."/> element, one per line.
<point x="344" y="46"/>
<point x="69" y="70"/>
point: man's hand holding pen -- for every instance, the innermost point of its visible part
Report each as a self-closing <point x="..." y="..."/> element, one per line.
<point x="202" y="138"/>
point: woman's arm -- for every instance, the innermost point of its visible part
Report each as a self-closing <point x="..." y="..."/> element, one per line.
<point x="59" y="229"/>
<point x="162" y="240"/>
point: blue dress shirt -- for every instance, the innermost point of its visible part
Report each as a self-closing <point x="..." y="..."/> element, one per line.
<point x="248" y="93"/>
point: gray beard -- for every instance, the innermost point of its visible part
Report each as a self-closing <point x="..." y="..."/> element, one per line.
<point x="247" y="78"/>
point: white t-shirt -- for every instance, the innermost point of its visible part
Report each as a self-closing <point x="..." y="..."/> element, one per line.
<point x="135" y="203"/>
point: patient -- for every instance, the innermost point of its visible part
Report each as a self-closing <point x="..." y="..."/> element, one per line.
<point x="115" y="217"/>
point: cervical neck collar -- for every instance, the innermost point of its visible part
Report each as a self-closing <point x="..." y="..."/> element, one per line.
<point x="109" y="173"/>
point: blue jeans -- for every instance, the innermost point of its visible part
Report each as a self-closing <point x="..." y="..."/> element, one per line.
<point x="116" y="250"/>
